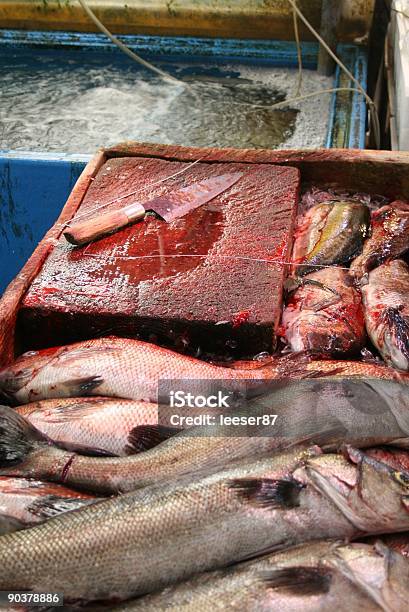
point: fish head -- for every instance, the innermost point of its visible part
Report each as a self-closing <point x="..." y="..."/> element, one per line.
<point x="396" y="337"/>
<point x="15" y="377"/>
<point x="371" y="494"/>
<point x="56" y="372"/>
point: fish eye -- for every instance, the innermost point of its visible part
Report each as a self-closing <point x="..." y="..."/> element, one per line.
<point x="402" y="478"/>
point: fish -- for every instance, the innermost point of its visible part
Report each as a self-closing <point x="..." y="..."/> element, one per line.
<point x="26" y="502"/>
<point x="324" y="315"/>
<point x="148" y="539"/>
<point x="395" y="541"/>
<point x="112" y="367"/>
<point x="307" y="577"/>
<point x="330" y="233"/>
<point x="98" y="425"/>
<point x="305" y="365"/>
<point x="389" y="238"/>
<point x="386" y="310"/>
<point x="397" y="458"/>
<point x="327" y="412"/>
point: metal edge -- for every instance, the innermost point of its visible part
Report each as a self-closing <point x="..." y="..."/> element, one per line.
<point x="268" y="52"/>
<point x="357" y="135"/>
<point x="356" y="60"/>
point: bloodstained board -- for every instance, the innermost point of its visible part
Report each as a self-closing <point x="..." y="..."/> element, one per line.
<point x="210" y="282"/>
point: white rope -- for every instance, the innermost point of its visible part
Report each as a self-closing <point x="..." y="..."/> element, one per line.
<point x="299" y="54"/>
<point x="126" y="49"/>
<point x="373" y="112"/>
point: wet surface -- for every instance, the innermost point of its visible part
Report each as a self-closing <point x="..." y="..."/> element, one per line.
<point x="210" y="280"/>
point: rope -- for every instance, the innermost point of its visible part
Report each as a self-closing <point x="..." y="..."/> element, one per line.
<point x="126" y="49"/>
<point x="373" y="112"/>
<point x="299" y="54"/>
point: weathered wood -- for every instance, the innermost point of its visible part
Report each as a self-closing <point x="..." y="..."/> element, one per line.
<point x="382" y="172"/>
<point x="229" y="19"/>
<point x="376" y="172"/>
<point x="331" y="12"/>
<point x="16" y="290"/>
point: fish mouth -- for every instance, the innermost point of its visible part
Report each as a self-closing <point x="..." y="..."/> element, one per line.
<point x="336" y="490"/>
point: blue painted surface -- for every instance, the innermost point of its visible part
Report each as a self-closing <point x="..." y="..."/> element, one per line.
<point x="175" y="48"/>
<point x="351" y="120"/>
<point x="32" y="194"/>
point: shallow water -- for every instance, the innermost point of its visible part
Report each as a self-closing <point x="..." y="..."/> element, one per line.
<point x="74" y="102"/>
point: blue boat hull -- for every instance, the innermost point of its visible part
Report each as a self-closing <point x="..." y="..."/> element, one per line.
<point x="33" y="190"/>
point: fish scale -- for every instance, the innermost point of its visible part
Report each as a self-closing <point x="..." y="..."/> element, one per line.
<point x="303" y="578"/>
<point x="385" y="297"/>
<point x="132" y="544"/>
<point x="117" y="367"/>
<point x="97" y="425"/>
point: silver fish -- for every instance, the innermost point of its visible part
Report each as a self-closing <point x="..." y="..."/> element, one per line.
<point x="98" y="425"/>
<point x="148" y="539"/>
<point x="327" y="412"/>
<point x="309" y="577"/>
<point x="112" y="367"/>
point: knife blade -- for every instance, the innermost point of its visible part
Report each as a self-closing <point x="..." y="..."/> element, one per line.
<point x="169" y="207"/>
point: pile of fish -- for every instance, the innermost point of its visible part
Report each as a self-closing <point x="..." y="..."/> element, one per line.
<point x="104" y="500"/>
<point x="348" y="282"/>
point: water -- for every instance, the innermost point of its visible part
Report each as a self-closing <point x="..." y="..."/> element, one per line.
<point x="77" y="102"/>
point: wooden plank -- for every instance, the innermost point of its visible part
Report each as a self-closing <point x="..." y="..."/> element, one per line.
<point x="384" y="172"/>
<point x="230" y="19"/>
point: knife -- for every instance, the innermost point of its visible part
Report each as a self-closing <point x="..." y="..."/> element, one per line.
<point x="175" y="205"/>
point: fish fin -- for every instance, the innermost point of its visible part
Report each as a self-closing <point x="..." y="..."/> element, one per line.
<point x="83" y="386"/>
<point x="267" y="493"/>
<point x="330" y="437"/>
<point x="79" y="409"/>
<point x="144" y="437"/>
<point x="17" y="437"/>
<point x="52" y="505"/>
<point x="298" y="581"/>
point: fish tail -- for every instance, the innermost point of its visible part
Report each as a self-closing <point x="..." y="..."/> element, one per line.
<point x="17" y="437"/>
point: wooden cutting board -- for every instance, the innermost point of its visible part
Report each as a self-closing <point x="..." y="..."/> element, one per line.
<point x="210" y="282"/>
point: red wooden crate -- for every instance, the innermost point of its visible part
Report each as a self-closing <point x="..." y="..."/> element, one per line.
<point x="384" y="173"/>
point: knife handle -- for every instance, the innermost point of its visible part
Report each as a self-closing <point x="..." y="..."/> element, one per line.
<point x="96" y="227"/>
